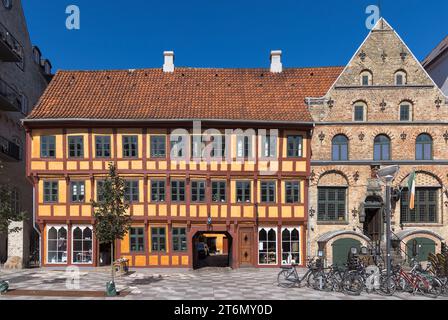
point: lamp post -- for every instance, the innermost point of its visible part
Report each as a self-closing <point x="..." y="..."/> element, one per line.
<point x="387" y="175"/>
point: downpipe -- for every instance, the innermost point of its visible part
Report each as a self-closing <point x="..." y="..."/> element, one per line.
<point x="34" y="226"/>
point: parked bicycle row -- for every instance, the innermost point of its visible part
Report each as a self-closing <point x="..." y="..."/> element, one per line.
<point x="354" y="279"/>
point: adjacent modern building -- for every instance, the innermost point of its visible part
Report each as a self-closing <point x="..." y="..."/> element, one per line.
<point x="24" y="75"/>
<point x="383" y="109"/>
<point x="436" y="63"/>
<point x="238" y="183"/>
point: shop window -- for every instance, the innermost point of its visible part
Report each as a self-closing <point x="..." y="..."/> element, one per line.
<point x="267" y="246"/>
<point x="290" y="246"/>
<point x="82" y="244"/>
<point x="56" y="244"/>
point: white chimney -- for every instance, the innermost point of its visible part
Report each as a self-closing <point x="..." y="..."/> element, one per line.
<point x="168" y="63"/>
<point x="276" y="61"/>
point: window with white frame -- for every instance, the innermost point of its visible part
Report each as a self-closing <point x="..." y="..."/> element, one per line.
<point x="57" y="244"/>
<point x="267" y="246"/>
<point x="290" y="246"/>
<point x="82" y="244"/>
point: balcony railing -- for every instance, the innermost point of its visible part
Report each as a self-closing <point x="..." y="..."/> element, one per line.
<point x="10" y="100"/>
<point x="10" y="49"/>
<point x="9" y="151"/>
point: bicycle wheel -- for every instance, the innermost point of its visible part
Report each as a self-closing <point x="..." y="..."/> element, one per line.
<point x="310" y="280"/>
<point x="432" y="289"/>
<point x="318" y="281"/>
<point x="286" y="279"/>
<point x="352" y="284"/>
<point x="387" y="286"/>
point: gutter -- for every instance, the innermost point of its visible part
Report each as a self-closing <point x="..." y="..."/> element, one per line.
<point x="34" y="226"/>
<point x="85" y="120"/>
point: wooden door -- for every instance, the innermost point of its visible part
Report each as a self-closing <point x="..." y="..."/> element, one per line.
<point x="246" y="247"/>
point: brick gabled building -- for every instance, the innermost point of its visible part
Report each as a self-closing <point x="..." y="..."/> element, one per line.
<point x="384" y="109"/>
<point x="246" y="199"/>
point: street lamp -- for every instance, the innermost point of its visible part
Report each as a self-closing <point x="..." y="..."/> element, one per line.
<point x="387" y="175"/>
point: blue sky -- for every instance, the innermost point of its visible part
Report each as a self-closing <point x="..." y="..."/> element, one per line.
<point x="222" y="33"/>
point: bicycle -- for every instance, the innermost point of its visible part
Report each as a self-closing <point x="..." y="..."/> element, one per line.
<point x="288" y="277"/>
<point x="417" y="282"/>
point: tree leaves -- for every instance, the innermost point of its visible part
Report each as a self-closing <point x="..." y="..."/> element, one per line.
<point x="111" y="220"/>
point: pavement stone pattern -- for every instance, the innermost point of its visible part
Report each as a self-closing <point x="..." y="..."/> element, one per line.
<point x="179" y="284"/>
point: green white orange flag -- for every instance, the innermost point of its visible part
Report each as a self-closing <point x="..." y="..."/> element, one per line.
<point x="411" y="188"/>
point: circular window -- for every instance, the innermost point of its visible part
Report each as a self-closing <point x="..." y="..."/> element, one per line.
<point x="7" y="4"/>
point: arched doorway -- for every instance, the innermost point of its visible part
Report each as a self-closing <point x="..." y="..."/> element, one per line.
<point x="420" y="248"/>
<point x="212" y="249"/>
<point x="341" y="248"/>
<point x="373" y="218"/>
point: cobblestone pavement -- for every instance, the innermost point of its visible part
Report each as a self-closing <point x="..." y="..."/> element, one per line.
<point x="177" y="284"/>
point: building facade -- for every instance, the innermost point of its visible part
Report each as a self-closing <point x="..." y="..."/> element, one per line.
<point x="24" y="76"/>
<point x="384" y="109"/>
<point x="436" y="63"/>
<point x="245" y="197"/>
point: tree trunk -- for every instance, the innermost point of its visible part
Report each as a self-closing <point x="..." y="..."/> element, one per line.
<point x="112" y="260"/>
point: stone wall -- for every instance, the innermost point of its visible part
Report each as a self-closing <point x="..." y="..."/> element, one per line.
<point x="382" y="54"/>
<point x="28" y="80"/>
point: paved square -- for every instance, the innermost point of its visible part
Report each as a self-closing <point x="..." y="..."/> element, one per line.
<point x="178" y="284"/>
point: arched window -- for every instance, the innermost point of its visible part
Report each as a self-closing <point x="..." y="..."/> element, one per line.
<point x="267" y="246"/>
<point x="423" y="147"/>
<point x="405" y="111"/>
<point x="381" y="149"/>
<point x="359" y="111"/>
<point x="401" y="78"/>
<point x="340" y="148"/>
<point x="82" y="244"/>
<point x="366" y="78"/>
<point x="290" y="246"/>
<point x="57" y="244"/>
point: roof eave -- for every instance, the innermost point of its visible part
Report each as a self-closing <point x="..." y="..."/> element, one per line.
<point x="118" y="121"/>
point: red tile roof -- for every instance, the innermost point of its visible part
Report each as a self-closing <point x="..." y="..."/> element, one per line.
<point x="188" y="93"/>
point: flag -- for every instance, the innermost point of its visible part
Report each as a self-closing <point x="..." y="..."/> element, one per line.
<point x="411" y="190"/>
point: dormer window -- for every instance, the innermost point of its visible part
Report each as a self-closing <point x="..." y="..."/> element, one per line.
<point x="400" y="78"/>
<point x="47" y="66"/>
<point x="36" y="55"/>
<point x="7" y="4"/>
<point x="366" y="78"/>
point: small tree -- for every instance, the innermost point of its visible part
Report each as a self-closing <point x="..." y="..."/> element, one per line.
<point x="111" y="221"/>
<point x="8" y="211"/>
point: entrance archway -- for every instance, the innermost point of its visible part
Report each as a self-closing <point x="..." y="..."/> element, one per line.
<point x="212" y="249"/>
<point x="373" y="219"/>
